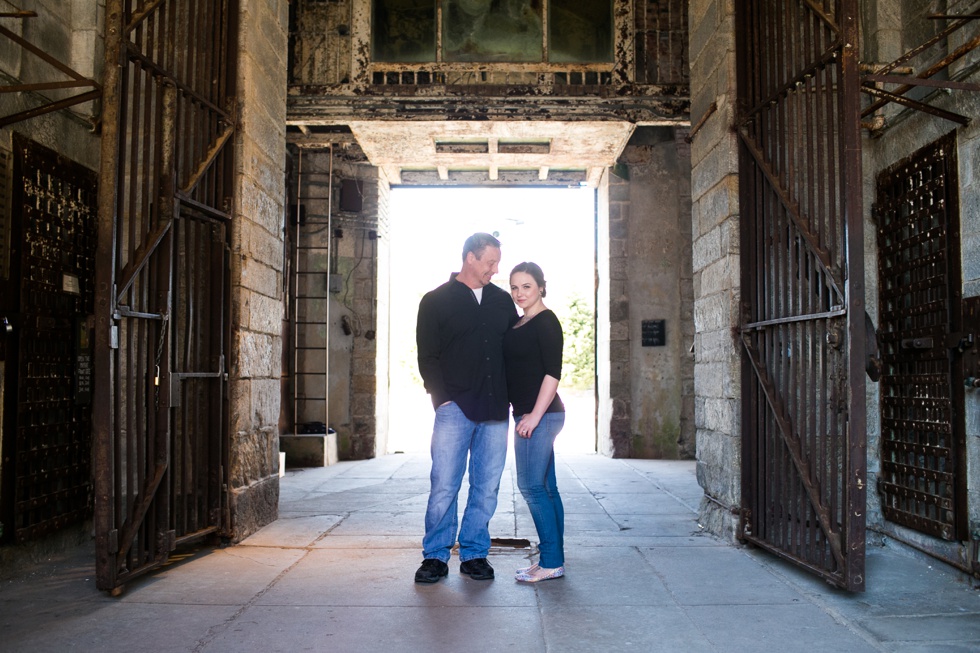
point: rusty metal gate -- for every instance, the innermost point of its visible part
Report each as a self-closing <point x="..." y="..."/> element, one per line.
<point x="923" y="462"/>
<point x="802" y="312"/>
<point x="161" y="327"/>
<point x="46" y="302"/>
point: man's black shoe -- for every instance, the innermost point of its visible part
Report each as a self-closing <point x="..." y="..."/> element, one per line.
<point x="477" y="569"/>
<point x="432" y="570"/>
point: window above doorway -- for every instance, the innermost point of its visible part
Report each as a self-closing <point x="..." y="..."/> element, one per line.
<point x="492" y="31"/>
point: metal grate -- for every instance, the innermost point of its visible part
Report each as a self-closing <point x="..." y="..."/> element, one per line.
<point x="802" y="322"/>
<point x="55" y="245"/>
<point x="918" y="482"/>
<point x="161" y="333"/>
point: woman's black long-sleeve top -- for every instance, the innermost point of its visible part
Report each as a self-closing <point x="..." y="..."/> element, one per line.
<point x="531" y="351"/>
<point x="460" y="343"/>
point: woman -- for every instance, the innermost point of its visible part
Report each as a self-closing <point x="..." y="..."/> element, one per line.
<point x="532" y="355"/>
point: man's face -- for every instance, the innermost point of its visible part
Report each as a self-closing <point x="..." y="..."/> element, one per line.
<point x="484" y="267"/>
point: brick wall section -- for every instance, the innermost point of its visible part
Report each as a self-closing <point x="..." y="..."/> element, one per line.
<point x="714" y="193"/>
<point x="257" y="266"/>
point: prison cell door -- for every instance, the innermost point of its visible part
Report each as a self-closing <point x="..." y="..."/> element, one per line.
<point x="923" y="482"/>
<point x="161" y="316"/>
<point x="46" y="290"/>
<point x="802" y="311"/>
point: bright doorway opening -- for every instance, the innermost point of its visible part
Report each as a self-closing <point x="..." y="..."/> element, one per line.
<point x="553" y="227"/>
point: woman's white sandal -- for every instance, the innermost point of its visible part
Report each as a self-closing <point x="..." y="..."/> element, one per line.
<point x="527" y="570"/>
<point x="540" y="574"/>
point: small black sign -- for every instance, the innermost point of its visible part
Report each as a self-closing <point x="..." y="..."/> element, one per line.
<point x="654" y="333"/>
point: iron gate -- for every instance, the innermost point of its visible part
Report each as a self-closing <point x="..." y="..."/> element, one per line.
<point x="802" y="312"/>
<point x="162" y="293"/>
<point x="923" y="465"/>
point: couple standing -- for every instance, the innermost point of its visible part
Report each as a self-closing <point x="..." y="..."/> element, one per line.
<point x="476" y="355"/>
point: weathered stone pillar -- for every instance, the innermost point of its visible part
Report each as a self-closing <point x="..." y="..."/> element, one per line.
<point x="613" y="315"/>
<point x="714" y="191"/>
<point x="646" y="402"/>
<point x="256" y="267"/>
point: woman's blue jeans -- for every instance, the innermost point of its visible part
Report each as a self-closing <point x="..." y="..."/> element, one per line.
<point x="535" y="459"/>
<point x="454" y="438"/>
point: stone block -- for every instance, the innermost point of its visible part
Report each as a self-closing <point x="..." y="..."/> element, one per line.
<point x="309" y="449"/>
<point x="707" y="249"/>
<point x="253" y="506"/>
<point x="259" y="355"/>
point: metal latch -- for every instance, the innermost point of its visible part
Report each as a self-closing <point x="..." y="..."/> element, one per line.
<point x="917" y="343"/>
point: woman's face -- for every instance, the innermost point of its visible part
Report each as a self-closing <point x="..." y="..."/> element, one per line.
<point x="524" y="289"/>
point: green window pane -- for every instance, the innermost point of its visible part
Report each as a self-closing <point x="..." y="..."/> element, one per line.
<point x="403" y="31"/>
<point x="580" y="31"/>
<point x="492" y="30"/>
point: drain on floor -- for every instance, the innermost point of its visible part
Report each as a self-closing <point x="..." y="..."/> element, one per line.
<point x="511" y="543"/>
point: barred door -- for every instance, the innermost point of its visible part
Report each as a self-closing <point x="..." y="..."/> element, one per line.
<point x="802" y="312"/>
<point x="161" y="317"/>
<point x="46" y="292"/>
<point x="923" y="482"/>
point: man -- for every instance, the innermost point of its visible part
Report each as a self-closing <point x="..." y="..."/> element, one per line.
<point x="460" y="332"/>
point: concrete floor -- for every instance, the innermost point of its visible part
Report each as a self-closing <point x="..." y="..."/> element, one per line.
<point x="335" y="572"/>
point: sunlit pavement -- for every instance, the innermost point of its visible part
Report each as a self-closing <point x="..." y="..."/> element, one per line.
<point x="335" y="573"/>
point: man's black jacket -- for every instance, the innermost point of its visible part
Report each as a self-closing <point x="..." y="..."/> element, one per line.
<point x="460" y="346"/>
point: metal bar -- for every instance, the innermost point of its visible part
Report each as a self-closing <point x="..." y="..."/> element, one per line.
<point x="132" y="525"/>
<point x="122" y="311"/>
<point x="330" y="261"/>
<point x="824" y="17"/>
<point x="137" y="56"/>
<point x="913" y="104"/>
<point x="792" y="209"/>
<point x="213" y="151"/>
<point x="752" y="326"/>
<point x="856" y="461"/>
<point x="791" y="442"/>
<point x="188" y="202"/>
<point x="140" y="258"/>
<point x="918" y="81"/>
<point x="700" y="123"/>
<point x="936" y="38"/>
<point x="957" y="54"/>
<point x="103" y="425"/>
<point x="764" y="104"/>
<point x="38" y="52"/>
<point x="48" y="108"/>
<point x="296" y="280"/>
<point x="44" y="86"/>
<point x="138" y="17"/>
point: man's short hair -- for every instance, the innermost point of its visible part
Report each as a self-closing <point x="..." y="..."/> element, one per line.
<point x="477" y="243"/>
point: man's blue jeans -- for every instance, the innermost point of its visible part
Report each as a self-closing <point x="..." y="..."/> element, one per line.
<point x="535" y="460"/>
<point x="454" y="438"/>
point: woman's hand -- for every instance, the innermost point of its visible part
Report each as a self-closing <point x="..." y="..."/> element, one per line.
<point x="527" y="425"/>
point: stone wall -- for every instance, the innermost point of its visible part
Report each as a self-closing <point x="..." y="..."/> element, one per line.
<point x="659" y="287"/>
<point x="257" y="265"/>
<point x="646" y="393"/>
<point x="714" y="193"/>
<point x="71" y="32"/>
